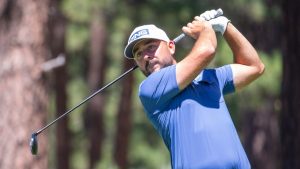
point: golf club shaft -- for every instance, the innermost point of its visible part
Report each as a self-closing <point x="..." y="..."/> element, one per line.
<point x="88" y="98"/>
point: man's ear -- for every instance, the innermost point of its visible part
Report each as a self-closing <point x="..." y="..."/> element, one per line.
<point x="171" y="45"/>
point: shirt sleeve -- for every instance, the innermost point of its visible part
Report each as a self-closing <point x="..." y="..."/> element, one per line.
<point x="225" y="78"/>
<point x="158" y="89"/>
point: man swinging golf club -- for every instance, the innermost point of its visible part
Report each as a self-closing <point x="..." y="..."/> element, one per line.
<point x="185" y="101"/>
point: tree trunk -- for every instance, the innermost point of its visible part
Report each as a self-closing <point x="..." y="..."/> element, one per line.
<point x="23" y="101"/>
<point x="124" y="119"/>
<point x="290" y="96"/>
<point x="57" y="24"/>
<point x="94" y="112"/>
<point x="260" y="130"/>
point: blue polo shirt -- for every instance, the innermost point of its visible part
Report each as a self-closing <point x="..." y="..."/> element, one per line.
<point x="194" y="123"/>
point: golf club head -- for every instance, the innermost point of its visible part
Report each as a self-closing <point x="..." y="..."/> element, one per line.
<point x="33" y="144"/>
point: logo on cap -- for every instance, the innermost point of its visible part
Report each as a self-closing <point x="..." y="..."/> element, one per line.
<point x="139" y="34"/>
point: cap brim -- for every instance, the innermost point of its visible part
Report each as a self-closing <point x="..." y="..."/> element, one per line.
<point x="128" y="49"/>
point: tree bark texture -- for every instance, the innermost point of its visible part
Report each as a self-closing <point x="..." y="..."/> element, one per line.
<point x="260" y="132"/>
<point x="124" y="123"/>
<point x="290" y="96"/>
<point x="96" y="74"/>
<point x="57" y="26"/>
<point x="23" y="101"/>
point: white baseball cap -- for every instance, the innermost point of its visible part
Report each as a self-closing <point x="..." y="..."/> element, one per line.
<point x="144" y="32"/>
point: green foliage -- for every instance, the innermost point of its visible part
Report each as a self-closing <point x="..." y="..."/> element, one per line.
<point x="77" y="92"/>
<point x="77" y="10"/>
<point x="78" y="36"/>
<point x="145" y="143"/>
<point x="258" y="10"/>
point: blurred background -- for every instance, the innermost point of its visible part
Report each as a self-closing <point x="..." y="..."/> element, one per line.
<point x="54" y="53"/>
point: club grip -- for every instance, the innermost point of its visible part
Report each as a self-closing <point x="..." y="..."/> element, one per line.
<point x="181" y="36"/>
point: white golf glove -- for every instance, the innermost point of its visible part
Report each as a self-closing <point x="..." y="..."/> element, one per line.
<point x="218" y="22"/>
<point x="211" y="14"/>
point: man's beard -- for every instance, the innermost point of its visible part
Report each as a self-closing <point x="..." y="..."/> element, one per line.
<point x="147" y="72"/>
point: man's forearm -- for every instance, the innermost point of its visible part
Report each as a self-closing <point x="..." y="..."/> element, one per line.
<point x="243" y="52"/>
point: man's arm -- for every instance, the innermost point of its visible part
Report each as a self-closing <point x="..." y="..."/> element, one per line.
<point x="247" y="65"/>
<point x="200" y="55"/>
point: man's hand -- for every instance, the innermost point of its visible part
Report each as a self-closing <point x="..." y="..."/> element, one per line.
<point x="219" y="23"/>
<point x="195" y="28"/>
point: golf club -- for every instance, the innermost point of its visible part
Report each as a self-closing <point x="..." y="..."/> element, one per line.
<point x="34" y="141"/>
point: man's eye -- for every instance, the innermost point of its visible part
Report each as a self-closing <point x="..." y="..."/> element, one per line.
<point x="154" y="47"/>
<point x="137" y="55"/>
<point x="151" y="48"/>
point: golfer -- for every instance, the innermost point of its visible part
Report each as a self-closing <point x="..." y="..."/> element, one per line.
<point x="185" y="101"/>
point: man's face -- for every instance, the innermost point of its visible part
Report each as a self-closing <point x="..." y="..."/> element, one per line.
<point x="151" y="55"/>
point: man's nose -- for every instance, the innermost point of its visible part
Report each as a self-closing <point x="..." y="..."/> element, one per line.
<point x="147" y="56"/>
